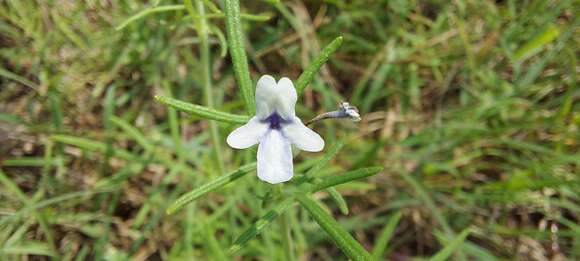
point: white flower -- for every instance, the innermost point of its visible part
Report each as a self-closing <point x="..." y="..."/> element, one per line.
<point x="275" y="127"/>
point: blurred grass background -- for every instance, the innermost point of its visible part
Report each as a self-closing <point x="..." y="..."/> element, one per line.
<point x="471" y="107"/>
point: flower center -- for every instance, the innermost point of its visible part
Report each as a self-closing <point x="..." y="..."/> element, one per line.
<point x="275" y="121"/>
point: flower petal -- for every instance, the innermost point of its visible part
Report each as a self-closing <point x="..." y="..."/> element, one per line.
<point x="275" y="97"/>
<point x="303" y="137"/>
<point x="265" y="96"/>
<point x="248" y="134"/>
<point x="286" y="99"/>
<point x="275" y="158"/>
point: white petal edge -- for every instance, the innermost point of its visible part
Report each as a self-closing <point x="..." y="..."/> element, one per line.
<point x="247" y="135"/>
<point x="275" y="158"/>
<point x="303" y="137"/>
<point x="265" y="96"/>
<point x="287" y="98"/>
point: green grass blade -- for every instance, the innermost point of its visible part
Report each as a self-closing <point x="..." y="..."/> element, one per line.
<point x="13" y="188"/>
<point x="93" y="146"/>
<point x="28" y="249"/>
<point x="108" y="113"/>
<point x="446" y="252"/>
<point x="221" y="40"/>
<point x="100" y="147"/>
<point x="202" y="28"/>
<point x="166" y="8"/>
<point x="209" y="187"/>
<point x="132" y="132"/>
<point x="386" y="235"/>
<point x="15" y="77"/>
<point x="341" y="237"/>
<point x="548" y="35"/>
<point x="213" y="7"/>
<point x="63" y="26"/>
<point x="430" y="204"/>
<point x="235" y="39"/>
<point x="202" y="111"/>
<point x="427" y="200"/>
<point x="174" y="125"/>
<point x="308" y="74"/>
<point x="147" y="12"/>
<point x="51" y="201"/>
<point x="257" y="227"/>
<point x="349" y="176"/>
<point x="31" y="162"/>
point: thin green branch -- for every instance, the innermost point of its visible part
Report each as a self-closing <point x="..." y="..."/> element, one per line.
<point x="237" y="52"/>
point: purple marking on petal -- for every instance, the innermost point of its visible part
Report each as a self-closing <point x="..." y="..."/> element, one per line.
<point x="275" y="121"/>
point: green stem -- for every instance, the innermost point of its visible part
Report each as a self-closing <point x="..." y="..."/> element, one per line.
<point x="286" y="233"/>
<point x="203" y="31"/>
<point x="239" y="59"/>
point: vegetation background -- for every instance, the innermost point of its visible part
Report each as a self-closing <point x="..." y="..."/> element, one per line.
<point x="470" y="106"/>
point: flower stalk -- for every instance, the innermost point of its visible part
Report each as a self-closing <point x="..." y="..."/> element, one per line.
<point x="286" y="231"/>
<point x="238" y="53"/>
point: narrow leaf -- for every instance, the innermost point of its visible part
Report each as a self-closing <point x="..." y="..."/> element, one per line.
<point x="308" y="74"/>
<point x="446" y="252"/>
<point x="338" y="199"/>
<point x="235" y="37"/>
<point x="341" y="237"/>
<point x="257" y="227"/>
<point x="209" y="187"/>
<point x="327" y="157"/>
<point x="312" y="172"/>
<point x="386" y="235"/>
<point x="349" y="176"/>
<point x="202" y="111"/>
